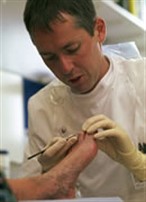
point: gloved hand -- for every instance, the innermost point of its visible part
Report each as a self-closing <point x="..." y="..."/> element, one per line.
<point x="56" y="151"/>
<point x="115" y="142"/>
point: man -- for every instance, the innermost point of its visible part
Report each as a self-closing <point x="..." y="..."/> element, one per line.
<point x="60" y="181"/>
<point x="91" y="88"/>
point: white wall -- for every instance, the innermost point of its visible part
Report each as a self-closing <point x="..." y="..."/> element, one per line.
<point x="17" y="51"/>
<point x="19" y="55"/>
<point x="12" y="120"/>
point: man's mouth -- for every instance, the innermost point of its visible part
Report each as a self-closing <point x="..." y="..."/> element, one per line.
<point x="75" y="80"/>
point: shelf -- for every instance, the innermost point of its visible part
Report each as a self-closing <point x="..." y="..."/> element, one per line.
<point x="122" y="26"/>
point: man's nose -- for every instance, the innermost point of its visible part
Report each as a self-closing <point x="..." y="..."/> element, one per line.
<point x="66" y="64"/>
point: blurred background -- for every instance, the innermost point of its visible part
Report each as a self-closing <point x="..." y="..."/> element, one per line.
<point x="22" y="72"/>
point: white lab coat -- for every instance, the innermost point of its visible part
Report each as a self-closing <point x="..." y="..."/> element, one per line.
<point x="56" y="111"/>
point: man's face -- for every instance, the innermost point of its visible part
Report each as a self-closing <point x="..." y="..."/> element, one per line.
<point x="72" y="54"/>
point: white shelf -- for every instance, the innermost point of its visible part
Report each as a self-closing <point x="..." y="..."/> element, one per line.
<point x="122" y="26"/>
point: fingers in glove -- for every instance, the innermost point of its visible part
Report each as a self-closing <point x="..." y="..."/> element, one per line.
<point x="89" y="122"/>
<point x="55" y="140"/>
<point x="72" y="140"/>
<point x="69" y="143"/>
<point x="55" y="148"/>
<point x="60" y="147"/>
<point x="99" y="122"/>
<point x="106" y="133"/>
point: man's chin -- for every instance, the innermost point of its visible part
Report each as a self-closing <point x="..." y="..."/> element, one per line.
<point x="79" y="91"/>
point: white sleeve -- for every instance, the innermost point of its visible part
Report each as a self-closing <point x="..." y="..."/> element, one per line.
<point x="137" y="75"/>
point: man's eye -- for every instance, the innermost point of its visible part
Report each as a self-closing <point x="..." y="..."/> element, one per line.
<point x="73" y="49"/>
<point x="50" y="57"/>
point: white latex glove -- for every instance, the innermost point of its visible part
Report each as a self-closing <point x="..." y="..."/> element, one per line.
<point x="115" y="142"/>
<point x="56" y="151"/>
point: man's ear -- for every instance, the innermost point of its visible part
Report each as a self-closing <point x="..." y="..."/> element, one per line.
<point x="100" y="30"/>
